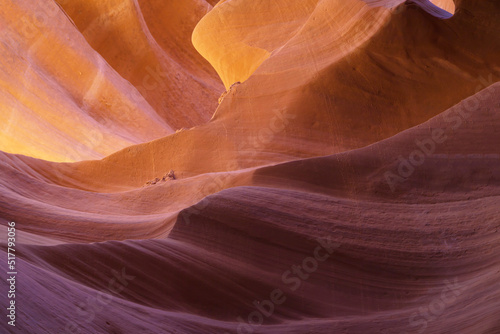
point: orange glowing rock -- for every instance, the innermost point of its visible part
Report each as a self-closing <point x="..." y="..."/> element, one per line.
<point x="244" y="166"/>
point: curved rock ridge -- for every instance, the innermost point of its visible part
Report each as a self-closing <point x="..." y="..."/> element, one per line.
<point x="235" y="46"/>
<point x="448" y="5"/>
<point x="229" y="38"/>
<point x="347" y="182"/>
<point x="335" y="216"/>
<point x="81" y="81"/>
<point x="60" y="100"/>
<point x="310" y="112"/>
<point x="148" y="44"/>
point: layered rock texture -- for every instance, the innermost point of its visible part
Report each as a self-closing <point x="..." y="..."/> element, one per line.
<point x="294" y="167"/>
